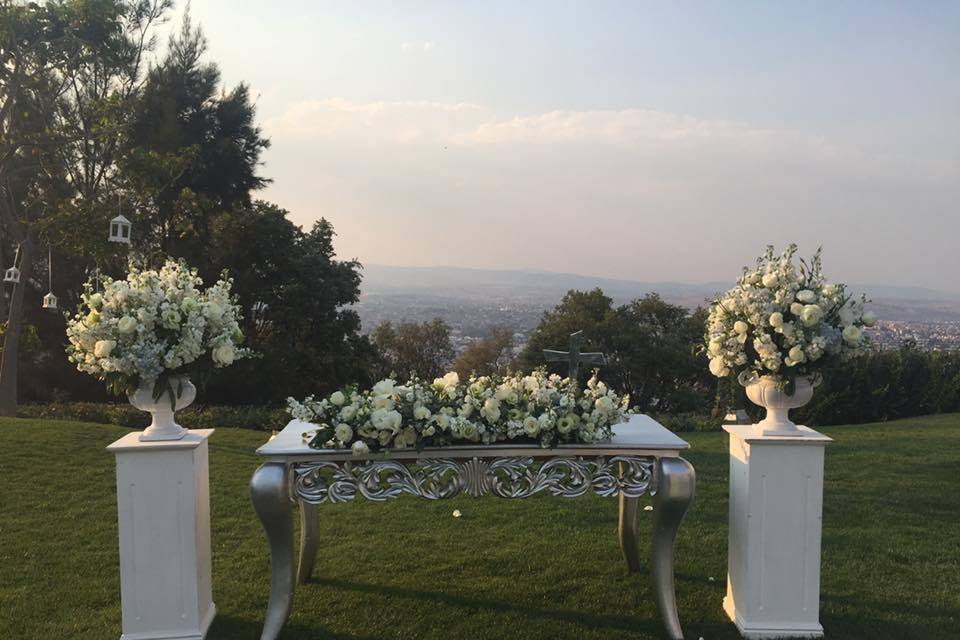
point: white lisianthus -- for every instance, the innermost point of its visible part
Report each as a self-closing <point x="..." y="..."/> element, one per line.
<point x="776" y="319"/>
<point x="421" y="413"/>
<point x="491" y="409"/>
<point x="104" y="348"/>
<point x="337" y="398"/>
<point x="360" y="448"/>
<point x="770" y="280"/>
<point x="806" y="296"/>
<point x="852" y="334"/>
<point x="869" y="318"/>
<point x="796" y="309"/>
<point x="741" y="327"/>
<point x="127" y="325"/>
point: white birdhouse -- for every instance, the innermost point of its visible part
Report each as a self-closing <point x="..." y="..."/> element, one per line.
<point x="12" y="275"/>
<point x="120" y="230"/>
<point x="50" y="301"/>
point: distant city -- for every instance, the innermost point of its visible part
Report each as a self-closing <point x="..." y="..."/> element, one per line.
<point x="474" y="301"/>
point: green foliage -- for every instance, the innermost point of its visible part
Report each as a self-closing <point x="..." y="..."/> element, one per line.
<point x="422" y="349"/>
<point x="650" y="346"/>
<point x="886" y="385"/>
<point x="486" y="356"/>
<point x="125" y="415"/>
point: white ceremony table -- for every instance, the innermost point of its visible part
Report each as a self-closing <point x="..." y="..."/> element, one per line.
<point x="642" y="457"/>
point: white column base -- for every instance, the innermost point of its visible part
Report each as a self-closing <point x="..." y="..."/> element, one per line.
<point x="773" y="559"/>
<point x="163" y="506"/>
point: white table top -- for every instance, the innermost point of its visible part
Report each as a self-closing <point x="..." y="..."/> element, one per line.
<point x="640" y="435"/>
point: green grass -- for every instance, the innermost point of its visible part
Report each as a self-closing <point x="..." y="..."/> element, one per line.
<point x="542" y="568"/>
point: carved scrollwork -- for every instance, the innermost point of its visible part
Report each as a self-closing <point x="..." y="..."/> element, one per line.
<point x="519" y="477"/>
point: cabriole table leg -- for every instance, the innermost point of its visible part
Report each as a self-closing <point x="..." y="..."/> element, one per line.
<point x="270" y="492"/>
<point x="675" y="489"/>
<point x="309" y="525"/>
<point x="629" y="538"/>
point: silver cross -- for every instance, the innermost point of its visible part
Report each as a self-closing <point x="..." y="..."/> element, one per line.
<point x="574" y="357"/>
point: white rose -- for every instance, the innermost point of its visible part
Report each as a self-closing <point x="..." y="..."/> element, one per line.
<point x="348" y="412"/>
<point x="811" y="314"/>
<point x="770" y="280"/>
<point x="103" y="348"/>
<point x="224" y="355"/>
<point x="338" y="398"/>
<point x="343" y="432"/>
<point x="531" y="426"/>
<point x="127" y="325"/>
<point x="852" y="334"/>
<point x="847" y="315"/>
<point x="740" y="326"/>
<point x="806" y="296"/>
<point x="869" y="318"/>
<point x="385" y="388"/>
<point x="776" y="319"/>
<point x="796" y="354"/>
<point x="360" y="448"/>
<point x="718" y="368"/>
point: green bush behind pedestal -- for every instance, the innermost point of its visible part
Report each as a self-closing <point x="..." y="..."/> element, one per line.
<point x="200" y="417"/>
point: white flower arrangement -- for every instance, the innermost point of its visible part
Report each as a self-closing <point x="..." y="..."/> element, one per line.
<point x="785" y="321"/>
<point x="153" y="326"/>
<point x="488" y="409"/>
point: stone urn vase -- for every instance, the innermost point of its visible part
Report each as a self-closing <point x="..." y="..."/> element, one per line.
<point x="763" y="391"/>
<point x="164" y="425"/>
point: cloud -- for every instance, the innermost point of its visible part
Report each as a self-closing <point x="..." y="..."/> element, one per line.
<point x="424" y="46"/>
<point x="623" y="192"/>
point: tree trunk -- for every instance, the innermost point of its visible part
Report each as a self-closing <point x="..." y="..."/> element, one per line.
<point x="11" y="342"/>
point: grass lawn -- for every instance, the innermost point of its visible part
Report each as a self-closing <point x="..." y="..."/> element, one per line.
<point x="542" y="568"/>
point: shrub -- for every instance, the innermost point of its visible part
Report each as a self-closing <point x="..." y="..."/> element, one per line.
<point x="199" y="417"/>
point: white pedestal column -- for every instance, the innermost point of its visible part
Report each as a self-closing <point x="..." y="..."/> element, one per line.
<point x="773" y="558"/>
<point x="163" y="504"/>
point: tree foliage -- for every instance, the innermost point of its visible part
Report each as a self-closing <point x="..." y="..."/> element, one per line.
<point x="649" y="344"/>
<point x="420" y="348"/>
<point x="486" y="356"/>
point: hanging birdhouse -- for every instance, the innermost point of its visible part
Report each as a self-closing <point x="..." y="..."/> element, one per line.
<point x="120" y="230"/>
<point x="12" y="275"/>
<point x="50" y="301"/>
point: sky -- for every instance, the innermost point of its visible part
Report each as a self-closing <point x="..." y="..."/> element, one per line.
<point x="635" y="140"/>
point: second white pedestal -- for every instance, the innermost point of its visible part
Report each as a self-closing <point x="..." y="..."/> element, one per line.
<point x="163" y="504"/>
<point x="776" y="501"/>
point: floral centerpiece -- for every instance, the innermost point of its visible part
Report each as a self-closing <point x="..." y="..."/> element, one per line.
<point x="538" y="407"/>
<point x="145" y="335"/>
<point x="778" y="327"/>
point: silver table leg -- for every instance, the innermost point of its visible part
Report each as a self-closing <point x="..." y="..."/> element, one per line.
<point x="629" y="538"/>
<point x="675" y="488"/>
<point x="309" y="524"/>
<point x="270" y="492"/>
